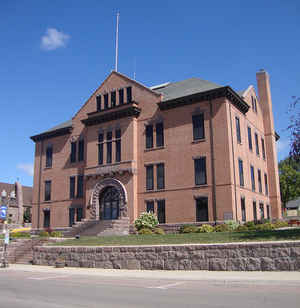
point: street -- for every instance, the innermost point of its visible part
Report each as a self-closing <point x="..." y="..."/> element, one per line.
<point x="32" y="287"/>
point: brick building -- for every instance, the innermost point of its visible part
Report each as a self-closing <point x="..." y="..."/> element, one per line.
<point x="191" y="151"/>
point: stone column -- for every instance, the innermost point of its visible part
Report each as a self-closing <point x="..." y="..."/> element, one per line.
<point x="19" y="197"/>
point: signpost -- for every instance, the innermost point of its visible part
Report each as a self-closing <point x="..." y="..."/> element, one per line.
<point x="3" y="214"/>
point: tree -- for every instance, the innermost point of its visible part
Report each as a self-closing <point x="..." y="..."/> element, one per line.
<point x="294" y="128"/>
<point x="289" y="175"/>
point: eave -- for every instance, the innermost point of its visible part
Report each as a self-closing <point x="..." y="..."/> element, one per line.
<point x="206" y="96"/>
<point x="118" y="112"/>
<point x="55" y="133"/>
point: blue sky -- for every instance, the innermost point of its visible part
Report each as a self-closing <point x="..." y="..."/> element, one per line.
<point x="54" y="54"/>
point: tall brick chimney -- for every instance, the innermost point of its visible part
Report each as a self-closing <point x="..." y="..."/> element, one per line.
<point x="264" y="92"/>
<point x="19" y="197"/>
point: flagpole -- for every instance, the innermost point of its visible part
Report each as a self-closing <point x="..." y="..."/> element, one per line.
<point x="117" y="42"/>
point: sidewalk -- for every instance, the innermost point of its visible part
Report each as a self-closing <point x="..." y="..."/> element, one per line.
<point x="209" y="276"/>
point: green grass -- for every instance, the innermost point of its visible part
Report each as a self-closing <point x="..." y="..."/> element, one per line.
<point x="189" y="238"/>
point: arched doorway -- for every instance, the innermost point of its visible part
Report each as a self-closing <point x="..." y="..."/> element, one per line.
<point x="110" y="203"/>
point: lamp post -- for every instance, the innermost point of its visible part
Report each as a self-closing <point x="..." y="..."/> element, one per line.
<point x="4" y="206"/>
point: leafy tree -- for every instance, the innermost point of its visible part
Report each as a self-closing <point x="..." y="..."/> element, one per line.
<point x="289" y="174"/>
<point x="294" y="128"/>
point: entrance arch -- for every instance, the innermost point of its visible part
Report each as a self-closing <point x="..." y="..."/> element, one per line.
<point x="110" y="190"/>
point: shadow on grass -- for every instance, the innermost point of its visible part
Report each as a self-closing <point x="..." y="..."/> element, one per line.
<point x="291" y="234"/>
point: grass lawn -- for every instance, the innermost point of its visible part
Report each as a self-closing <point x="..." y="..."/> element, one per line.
<point x="196" y="238"/>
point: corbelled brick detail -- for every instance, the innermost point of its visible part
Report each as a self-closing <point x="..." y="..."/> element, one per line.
<point x="279" y="256"/>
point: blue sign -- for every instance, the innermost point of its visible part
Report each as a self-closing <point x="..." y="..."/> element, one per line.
<point x="3" y="211"/>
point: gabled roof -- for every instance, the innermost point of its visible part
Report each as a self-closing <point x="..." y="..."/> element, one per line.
<point x="184" y="88"/>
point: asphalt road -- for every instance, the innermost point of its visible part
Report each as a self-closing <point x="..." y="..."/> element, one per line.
<point x="39" y="288"/>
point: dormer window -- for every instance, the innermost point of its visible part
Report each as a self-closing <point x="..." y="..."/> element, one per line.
<point x="113" y="98"/>
<point x="105" y="101"/>
<point x="129" y="94"/>
<point x="121" y="96"/>
<point x="98" y="99"/>
<point x="254" y="104"/>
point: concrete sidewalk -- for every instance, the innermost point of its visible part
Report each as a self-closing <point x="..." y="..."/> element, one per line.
<point x="287" y="278"/>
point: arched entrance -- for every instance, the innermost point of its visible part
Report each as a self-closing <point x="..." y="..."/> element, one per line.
<point x="109" y="203"/>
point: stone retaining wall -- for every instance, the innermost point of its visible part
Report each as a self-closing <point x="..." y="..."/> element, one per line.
<point x="267" y="256"/>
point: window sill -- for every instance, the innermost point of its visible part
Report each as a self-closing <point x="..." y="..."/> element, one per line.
<point x="201" y="186"/>
<point x="198" y="141"/>
<point x="46" y="168"/>
<point x="154" y="149"/>
<point x="155" y="190"/>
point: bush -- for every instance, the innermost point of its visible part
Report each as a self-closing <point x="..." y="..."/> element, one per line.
<point x="56" y="234"/>
<point x="159" y="231"/>
<point x="146" y="220"/>
<point x="205" y="229"/>
<point x="250" y="225"/>
<point x="242" y="228"/>
<point x="232" y="224"/>
<point x="43" y="234"/>
<point x="223" y="228"/>
<point x="265" y="227"/>
<point x="188" y="229"/>
<point x="20" y="235"/>
<point x="145" y="231"/>
<point x="280" y="224"/>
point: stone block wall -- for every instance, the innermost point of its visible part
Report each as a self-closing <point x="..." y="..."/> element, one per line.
<point x="267" y="256"/>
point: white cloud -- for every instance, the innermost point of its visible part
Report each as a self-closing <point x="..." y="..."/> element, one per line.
<point x="27" y="168"/>
<point x="54" y="39"/>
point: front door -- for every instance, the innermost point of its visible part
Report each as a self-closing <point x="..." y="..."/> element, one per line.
<point x="110" y="201"/>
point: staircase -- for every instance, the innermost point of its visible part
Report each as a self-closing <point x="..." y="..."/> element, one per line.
<point x="99" y="227"/>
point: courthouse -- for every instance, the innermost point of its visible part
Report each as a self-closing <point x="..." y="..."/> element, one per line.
<point x="190" y="151"/>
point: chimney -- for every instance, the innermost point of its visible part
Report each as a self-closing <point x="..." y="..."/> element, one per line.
<point x="265" y="102"/>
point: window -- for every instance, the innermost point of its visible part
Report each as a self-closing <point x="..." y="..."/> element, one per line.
<point x="198" y="126"/>
<point x="150" y="206"/>
<point x="72" y="187"/>
<point x="256" y="143"/>
<point x="121" y="96"/>
<point x="202" y="209"/>
<point x="129" y="94"/>
<point x="259" y="180"/>
<point x="238" y="130"/>
<point x="49" y="152"/>
<point x="266" y="185"/>
<point x="108" y="148"/>
<point x="79" y="213"/>
<point x="100" y="148"/>
<point x="113" y="98"/>
<point x="250" y="138"/>
<point x="98" y="100"/>
<point x="160" y="134"/>
<point x="80" y="186"/>
<point x="47" y="190"/>
<point x="46" y="218"/>
<point x="105" y="101"/>
<point x="160" y="173"/>
<point x="118" y="145"/>
<point x="254" y="211"/>
<point x="241" y="172"/>
<point x="149" y="178"/>
<point x="254" y="104"/>
<point x="252" y="178"/>
<point x="243" y="208"/>
<point x="81" y="150"/>
<point x="73" y="152"/>
<point x="262" y="211"/>
<point x="268" y="212"/>
<point x="149" y="136"/>
<point x="161" y="211"/>
<point x="263" y="148"/>
<point x="200" y="170"/>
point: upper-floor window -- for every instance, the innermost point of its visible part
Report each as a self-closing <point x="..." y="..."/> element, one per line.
<point x="252" y="178"/>
<point x="129" y="94"/>
<point x="200" y="171"/>
<point x="118" y="145"/>
<point x="241" y="172"/>
<point x="47" y="190"/>
<point x="73" y="152"/>
<point x="149" y="136"/>
<point x="106" y="101"/>
<point x="81" y="150"/>
<point x="254" y="104"/>
<point x="98" y="100"/>
<point x="259" y="180"/>
<point x="238" y="129"/>
<point x="250" y="138"/>
<point x="159" y="134"/>
<point x="100" y="148"/>
<point x="243" y="209"/>
<point x="266" y="185"/>
<point x="263" y="148"/>
<point x="108" y="147"/>
<point x="149" y="178"/>
<point x="198" y="126"/>
<point x="113" y="98"/>
<point x="121" y="96"/>
<point x="256" y="143"/>
<point x="80" y="186"/>
<point x="49" y="153"/>
<point x="72" y="187"/>
<point x="160" y="173"/>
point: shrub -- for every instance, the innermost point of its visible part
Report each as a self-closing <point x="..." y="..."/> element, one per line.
<point x="145" y="231"/>
<point x="188" y="229"/>
<point x="242" y="228"/>
<point x="250" y="225"/>
<point x="146" y="220"/>
<point x="223" y="228"/>
<point x="43" y="234"/>
<point x="56" y="234"/>
<point x="280" y="224"/>
<point x="232" y="224"/>
<point x="20" y="235"/>
<point x="265" y="227"/>
<point x="49" y="230"/>
<point x="159" y="231"/>
<point x="205" y="229"/>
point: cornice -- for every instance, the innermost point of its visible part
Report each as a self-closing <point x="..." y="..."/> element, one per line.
<point x="55" y="133"/>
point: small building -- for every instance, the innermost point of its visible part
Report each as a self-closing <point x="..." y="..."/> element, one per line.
<point x="18" y="199"/>
<point x="293" y="208"/>
<point x="190" y="151"/>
